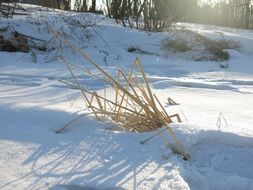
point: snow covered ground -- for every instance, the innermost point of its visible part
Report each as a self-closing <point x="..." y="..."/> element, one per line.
<point x="34" y="104"/>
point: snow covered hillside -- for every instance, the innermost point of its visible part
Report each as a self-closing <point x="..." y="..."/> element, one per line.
<point x="88" y="156"/>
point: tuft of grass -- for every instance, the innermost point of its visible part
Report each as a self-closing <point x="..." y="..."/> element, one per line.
<point x="216" y="47"/>
<point x="133" y="108"/>
<point x="219" y="54"/>
<point x="189" y="41"/>
<point x="178" y="45"/>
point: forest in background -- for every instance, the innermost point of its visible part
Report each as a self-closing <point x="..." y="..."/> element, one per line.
<point x="157" y="15"/>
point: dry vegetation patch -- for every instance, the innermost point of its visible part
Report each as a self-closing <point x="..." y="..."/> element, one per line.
<point x="198" y="46"/>
<point x="133" y="107"/>
<point x="14" y="41"/>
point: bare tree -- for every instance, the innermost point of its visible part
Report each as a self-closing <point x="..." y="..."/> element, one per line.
<point x="247" y="13"/>
<point x="66" y="4"/>
<point x="93" y="6"/>
<point x="84" y="7"/>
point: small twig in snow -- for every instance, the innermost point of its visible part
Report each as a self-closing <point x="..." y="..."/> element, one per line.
<point x="220" y="117"/>
<point x="72" y="121"/>
<point x="184" y="115"/>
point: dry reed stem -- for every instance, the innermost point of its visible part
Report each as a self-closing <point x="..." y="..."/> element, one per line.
<point x="171" y="101"/>
<point x="71" y="122"/>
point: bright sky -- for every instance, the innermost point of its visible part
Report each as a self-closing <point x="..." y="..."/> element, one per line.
<point x="210" y="1"/>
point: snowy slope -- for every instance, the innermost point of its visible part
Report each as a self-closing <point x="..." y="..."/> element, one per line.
<point x="33" y="104"/>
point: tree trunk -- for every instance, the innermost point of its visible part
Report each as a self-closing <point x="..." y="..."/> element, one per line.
<point x="93" y="6"/>
<point x="108" y="9"/>
<point x="247" y="14"/>
<point x="84" y="7"/>
<point x="66" y="4"/>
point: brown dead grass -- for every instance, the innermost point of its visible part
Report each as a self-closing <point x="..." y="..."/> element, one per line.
<point x="134" y="107"/>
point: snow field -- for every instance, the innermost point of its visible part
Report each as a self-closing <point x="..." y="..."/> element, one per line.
<point x="33" y="104"/>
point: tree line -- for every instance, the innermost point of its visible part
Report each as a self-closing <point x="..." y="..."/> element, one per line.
<point x="232" y="13"/>
<point x="157" y="15"/>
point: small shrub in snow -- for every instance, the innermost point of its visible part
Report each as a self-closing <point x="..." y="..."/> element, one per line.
<point x="14" y="41"/>
<point x="178" y="45"/>
<point x="219" y="53"/>
<point x="197" y="46"/>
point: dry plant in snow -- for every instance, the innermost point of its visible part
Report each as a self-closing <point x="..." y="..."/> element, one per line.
<point x="133" y="108"/>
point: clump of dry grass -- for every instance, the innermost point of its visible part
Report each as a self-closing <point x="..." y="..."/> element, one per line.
<point x="134" y="107"/>
<point x="177" y="45"/>
<point x="202" y="48"/>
